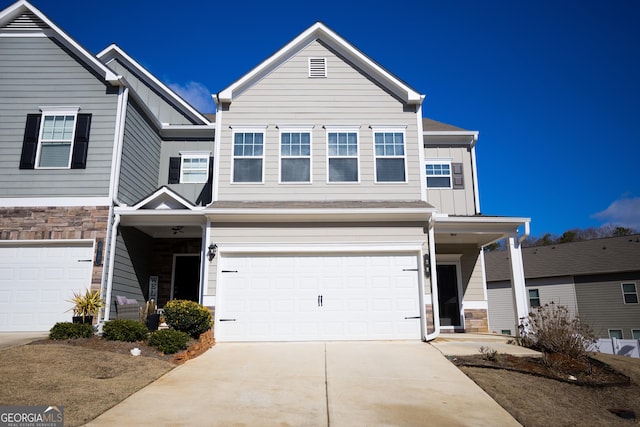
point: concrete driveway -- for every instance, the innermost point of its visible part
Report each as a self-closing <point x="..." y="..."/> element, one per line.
<point x="312" y="384"/>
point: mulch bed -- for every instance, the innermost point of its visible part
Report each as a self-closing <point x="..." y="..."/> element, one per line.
<point x="585" y="372"/>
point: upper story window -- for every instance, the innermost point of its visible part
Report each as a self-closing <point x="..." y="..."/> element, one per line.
<point x="58" y="138"/>
<point x="390" y="155"/>
<point x="443" y="173"/>
<point x="534" y="298"/>
<point x="630" y="293"/>
<point x="342" y="155"/>
<point x="295" y="155"/>
<point x="248" y="155"/>
<point x="192" y="167"/>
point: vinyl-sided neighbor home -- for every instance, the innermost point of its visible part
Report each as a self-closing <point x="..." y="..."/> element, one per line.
<point x="316" y="204"/>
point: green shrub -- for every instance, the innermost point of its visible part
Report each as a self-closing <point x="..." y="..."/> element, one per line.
<point x="67" y="330"/>
<point x="187" y="316"/>
<point x="552" y="329"/>
<point x="124" y="330"/>
<point x="169" y="341"/>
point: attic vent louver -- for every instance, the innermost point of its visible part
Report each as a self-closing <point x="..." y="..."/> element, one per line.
<point x="317" y="67"/>
<point x="27" y="20"/>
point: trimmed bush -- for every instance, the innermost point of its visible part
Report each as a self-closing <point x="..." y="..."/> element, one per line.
<point x="169" y="341"/>
<point x="124" y="330"/>
<point x="68" y="330"/>
<point x="187" y="316"/>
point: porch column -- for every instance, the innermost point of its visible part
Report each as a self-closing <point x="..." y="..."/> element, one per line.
<point x="520" y="305"/>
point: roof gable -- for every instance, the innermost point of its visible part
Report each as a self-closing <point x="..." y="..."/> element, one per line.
<point x="23" y="18"/>
<point x="322" y="33"/>
<point x="163" y="199"/>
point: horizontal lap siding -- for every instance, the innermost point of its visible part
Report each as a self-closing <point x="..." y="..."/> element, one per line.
<point x="223" y="234"/>
<point x="346" y="97"/>
<point x="34" y="72"/>
<point x="501" y="314"/>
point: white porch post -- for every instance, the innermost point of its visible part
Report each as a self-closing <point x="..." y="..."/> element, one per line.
<point x="520" y="306"/>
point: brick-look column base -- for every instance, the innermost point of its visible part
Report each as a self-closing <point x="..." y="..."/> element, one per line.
<point x="475" y="320"/>
<point x="428" y="308"/>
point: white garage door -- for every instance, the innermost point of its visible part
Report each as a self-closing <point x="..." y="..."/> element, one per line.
<point x="36" y="281"/>
<point x="294" y="298"/>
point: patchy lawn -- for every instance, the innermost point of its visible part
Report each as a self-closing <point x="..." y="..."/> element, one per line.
<point x="535" y="400"/>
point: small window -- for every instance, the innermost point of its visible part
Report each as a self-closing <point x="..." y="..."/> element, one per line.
<point x="630" y="293"/>
<point x="195" y="169"/>
<point x="295" y="157"/>
<point x="506" y="332"/>
<point x="390" y="156"/>
<point x="534" y="298"/>
<point x="635" y="334"/>
<point x="343" y="156"/>
<point x="317" y="67"/>
<point x="438" y="174"/>
<point x="248" y="153"/>
<point x="616" y="333"/>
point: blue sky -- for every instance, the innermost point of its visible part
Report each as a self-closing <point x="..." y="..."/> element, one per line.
<point x="553" y="87"/>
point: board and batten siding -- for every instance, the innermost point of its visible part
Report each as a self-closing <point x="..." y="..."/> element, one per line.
<point x="288" y="97"/>
<point x="602" y="305"/>
<point x="131" y="245"/>
<point x="453" y="201"/>
<point x="158" y="106"/>
<point x="258" y="234"/>
<point x="140" y="157"/>
<point x="35" y="72"/>
<point x="170" y="149"/>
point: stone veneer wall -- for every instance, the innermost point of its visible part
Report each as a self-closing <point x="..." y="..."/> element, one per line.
<point x="475" y="320"/>
<point x="57" y="223"/>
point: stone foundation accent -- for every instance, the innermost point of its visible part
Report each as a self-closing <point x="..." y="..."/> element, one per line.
<point x="57" y="223"/>
<point x="475" y="320"/>
<point x="428" y="308"/>
<point x="205" y="342"/>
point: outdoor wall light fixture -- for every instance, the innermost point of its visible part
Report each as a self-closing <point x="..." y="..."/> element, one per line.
<point x="211" y="253"/>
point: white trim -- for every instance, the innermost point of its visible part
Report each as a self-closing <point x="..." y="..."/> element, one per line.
<point x="629" y="293"/>
<point x="61" y="111"/>
<point x="48" y="242"/>
<point x="474" y="172"/>
<point x="476" y="305"/>
<point x="300" y="130"/>
<point x="343" y="129"/>
<point x="157" y="194"/>
<point x="118" y="143"/>
<point x="438" y="161"/>
<point x="215" y="187"/>
<point x="455" y="260"/>
<point x="194" y="155"/>
<point x="323" y="248"/>
<point x="389" y="129"/>
<point x="245" y="130"/>
<point x="209" y="300"/>
<point x="11" y="202"/>
<point x="421" y="156"/>
<point x="472" y="133"/>
<point x="204" y="261"/>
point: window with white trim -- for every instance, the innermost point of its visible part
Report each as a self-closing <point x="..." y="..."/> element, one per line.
<point x="342" y="155"/>
<point x="635" y="334"/>
<point x="295" y="156"/>
<point x="248" y="156"/>
<point x="194" y="168"/>
<point x="616" y="333"/>
<point x="630" y="293"/>
<point x="438" y="173"/>
<point x="534" y="298"/>
<point x="390" y="155"/>
<point x="56" y="139"/>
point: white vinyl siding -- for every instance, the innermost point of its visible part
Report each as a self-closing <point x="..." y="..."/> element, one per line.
<point x="390" y="159"/>
<point x="295" y="156"/>
<point x="248" y="156"/>
<point x="342" y="155"/>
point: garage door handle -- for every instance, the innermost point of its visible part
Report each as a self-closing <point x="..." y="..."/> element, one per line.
<point x="226" y="320"/>
<point x="412" y="317"/>
<point x="319" y="300"/>
<point x="409" y="269"/>
<point x="85" y="260"/>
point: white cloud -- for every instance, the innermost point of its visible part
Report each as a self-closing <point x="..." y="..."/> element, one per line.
<point x="623" y="212"/>
<point x="195" y="94"/>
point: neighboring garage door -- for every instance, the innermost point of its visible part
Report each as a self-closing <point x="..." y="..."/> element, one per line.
<point x="37" y="281"/>
<point x="296" y="298"/>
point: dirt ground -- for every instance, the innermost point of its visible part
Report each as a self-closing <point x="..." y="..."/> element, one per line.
<point x="535" y="400"/>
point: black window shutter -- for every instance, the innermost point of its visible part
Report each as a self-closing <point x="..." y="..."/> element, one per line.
<point x="174" y="170"/>
<point x="210" y="177"/>
<point x="30" y="141"/>
<point x="458" y="179"/>
<point x="81" y="142"/>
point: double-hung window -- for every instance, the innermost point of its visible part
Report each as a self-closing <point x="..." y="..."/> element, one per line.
<point x="342" y="148"/>
<point x="194" y="168"/>
<point x="390" y="155"/>
<point x="56" y="139"/>
<point x="248" y="155"/>
<point x="630" y="293"/>
<point x="534" y="298"/>
<point x="438" y="173"/>
<point x="295" y="155"/>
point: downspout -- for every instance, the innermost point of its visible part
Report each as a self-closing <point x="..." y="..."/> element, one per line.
<point x="474" y="169"/>
<point x="112" y="254"/>
<point x="434" y="282"/>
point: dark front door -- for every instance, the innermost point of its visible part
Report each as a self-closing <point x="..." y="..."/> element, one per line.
<point x="448" y="298"/>
<point x="186" y="277"/>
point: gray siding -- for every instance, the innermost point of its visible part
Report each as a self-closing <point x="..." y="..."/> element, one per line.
<point x="287" y="96"/>
<point x="140" y="157"/>
<point x="164" y="111"/>
<point x="501" y="314"/>
<point x="190" y="192"/>
<point x="35" y="71"/>
<point x="602" y="306"/>
<point x="450" y="201"/>
<point x="131" y="265"/>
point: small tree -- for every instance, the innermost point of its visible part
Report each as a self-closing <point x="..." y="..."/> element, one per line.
<point x="551" y="329"/>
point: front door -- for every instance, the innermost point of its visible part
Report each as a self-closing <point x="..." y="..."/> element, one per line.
<point x="448" y="295"/>
<point x="186" y="277"/>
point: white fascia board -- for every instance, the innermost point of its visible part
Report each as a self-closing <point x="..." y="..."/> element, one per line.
<point x="22" y="6"/>
<point x="479" y="225"/>
<point x="287" y="215"/>
<point x="472" y="134"/>
<point x="164" y="191"/>
<point x="12" y="202"/>
<point x="113" y="51"/>
<point x="322" y="32"/>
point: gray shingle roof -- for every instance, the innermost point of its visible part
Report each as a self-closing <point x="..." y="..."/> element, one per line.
<point x="608" y="255"/>
<point x="434" y="125"/>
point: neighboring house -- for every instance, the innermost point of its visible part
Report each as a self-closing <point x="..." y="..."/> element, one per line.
<point x="597" y="280"/>
<point x="326" y="206"/>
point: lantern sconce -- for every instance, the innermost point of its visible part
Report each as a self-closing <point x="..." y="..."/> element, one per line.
<point x="211" y="253"/>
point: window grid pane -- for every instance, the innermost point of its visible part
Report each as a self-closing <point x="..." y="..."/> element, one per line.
<point x="295" y="144"/>
<point x="438" y="175"/>
<point x="248" y="149"/>
<point x="343" y="144"/>
<point x="389" y="144"/>
<point x="57" y="128"/>
<point x="248" y="144"/>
